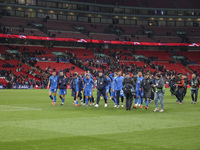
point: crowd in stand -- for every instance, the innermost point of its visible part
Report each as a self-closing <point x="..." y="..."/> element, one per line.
<point x="103" y="62"/>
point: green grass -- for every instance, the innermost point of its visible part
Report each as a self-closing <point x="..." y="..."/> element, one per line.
<point x="29" y="121"/>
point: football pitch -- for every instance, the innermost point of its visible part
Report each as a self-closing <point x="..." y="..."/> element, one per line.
<point x="29" y="122"/>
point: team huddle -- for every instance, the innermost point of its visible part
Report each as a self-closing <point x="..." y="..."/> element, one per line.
<point x="118" y="87"/>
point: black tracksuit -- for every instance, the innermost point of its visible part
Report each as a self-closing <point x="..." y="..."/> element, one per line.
<point x="147" y="88"/>
<point x="101" y="88"/>
<point x="128" y="84"/>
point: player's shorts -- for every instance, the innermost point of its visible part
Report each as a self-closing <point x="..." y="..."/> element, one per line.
<point x="113" y="94"/>
<point x="121" y="93"/>
<point x="53" y="90"/>
<point x="62" y="91"/>
<point x="88" y="93"/>
<point x="139" y="93"/>
<point x="147" y="95"/>
<point x="107" y="90"/>
<point x="77" y="90"/>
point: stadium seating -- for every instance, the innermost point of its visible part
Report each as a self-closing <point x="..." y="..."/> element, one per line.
<point x="65" y="29"/>
<point x="195" y="68"/>
<point x="3" y="81"/>
<point x="163" y="4"/>
<point x="27" y="31"/>
<point x="58" y="25"/>
<point x="59" y="66"/>
<point x="122" y="56"/>
<point x="162" y="55"/>
<point x="33" y="49"/>
<point x="93" y="27"/>
<point x="14" y="70"/>
<point x="191" y="55"/>
<point x="111" y="37"/>
<point x="3" y="48"/>
<point x="16" y="21"/>
<point x="67" y="34"/>
<point x="81" y="53"/>
<point x="178" y="67"/>
<point x="148" y="3"/>
<point x="188" y="4"/>
<point x="113" y="2"/>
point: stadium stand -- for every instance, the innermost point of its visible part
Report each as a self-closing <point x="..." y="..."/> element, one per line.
<point x="188" y="4"/>
<point x="60" y="66"/>
<point x="67" y="34"/>
<point x="64" y="29"/>
<point x="14" y="67"/>
<point x="81" y="53"/>
<point x="158" y="55"/>
<point x="118" y="28"/>
<point x="195" y="68"/>
<point x="178" y="67"/>
<point x="3" y="49"/>
<point x="39" y="51"/>
<point x="148" y="3"/>
<point x="193" y="56"/>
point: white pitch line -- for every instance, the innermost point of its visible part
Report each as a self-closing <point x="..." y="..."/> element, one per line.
<point x="27" y="108"/>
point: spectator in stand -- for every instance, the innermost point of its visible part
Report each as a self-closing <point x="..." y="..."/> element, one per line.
<point x="33" y="83"/>
<point x="38" y="83"/>
<point x="49" y="69"/>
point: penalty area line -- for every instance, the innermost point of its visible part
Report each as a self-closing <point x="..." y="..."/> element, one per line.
<point x="24" y="108"/>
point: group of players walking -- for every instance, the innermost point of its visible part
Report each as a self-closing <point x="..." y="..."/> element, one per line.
<point x="119" y="87"/>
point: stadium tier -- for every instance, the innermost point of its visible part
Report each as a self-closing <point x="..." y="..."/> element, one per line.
<point x="99" y="74"/>
<point x="195" y="68"/>
<point x="26" y="31"/>
<point x="158" y="55"/>
<point x="14" y="67"/>
<point x="158" y="4"/>
<point x="178" y="67"/>
<point x="81" y="53"/>
<point x="3" y="49"/>
<point x="60" y="66"/>
<point x="84" y="54"/>
<point x="188" y="4"/>
<point x="148" y="3"/>
<point x="193" y="56"/>
<point x="65" y="29"/>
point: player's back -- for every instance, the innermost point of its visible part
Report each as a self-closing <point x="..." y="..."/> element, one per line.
<point x="139" y="80"/>
<point x="109" y="82"/>
<point x="118" y="83"/>
<point x="88" y="83"/>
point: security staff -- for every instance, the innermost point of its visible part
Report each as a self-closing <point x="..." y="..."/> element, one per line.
<point x="101" y="88"/>
<point x="194" y="83"/>
<point x="159" y="92"/>
<point x="128" y="84"/>
<point x="147" y="88"/>
<point x="180" y="84"/>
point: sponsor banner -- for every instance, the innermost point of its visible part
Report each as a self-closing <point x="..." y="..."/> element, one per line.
<point x="2" y="87"/>
<point x="68" y="86"/>
<point x="20" y="86"/>
<point x="96" y="41"/>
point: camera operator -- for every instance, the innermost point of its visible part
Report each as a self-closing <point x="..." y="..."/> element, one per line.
<point x="180" y="84"/>
<point x="185" y="85"/>
<point x="194" y="88"/>
<point x="128" y="84"/>
<point x="172" y="82"/>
